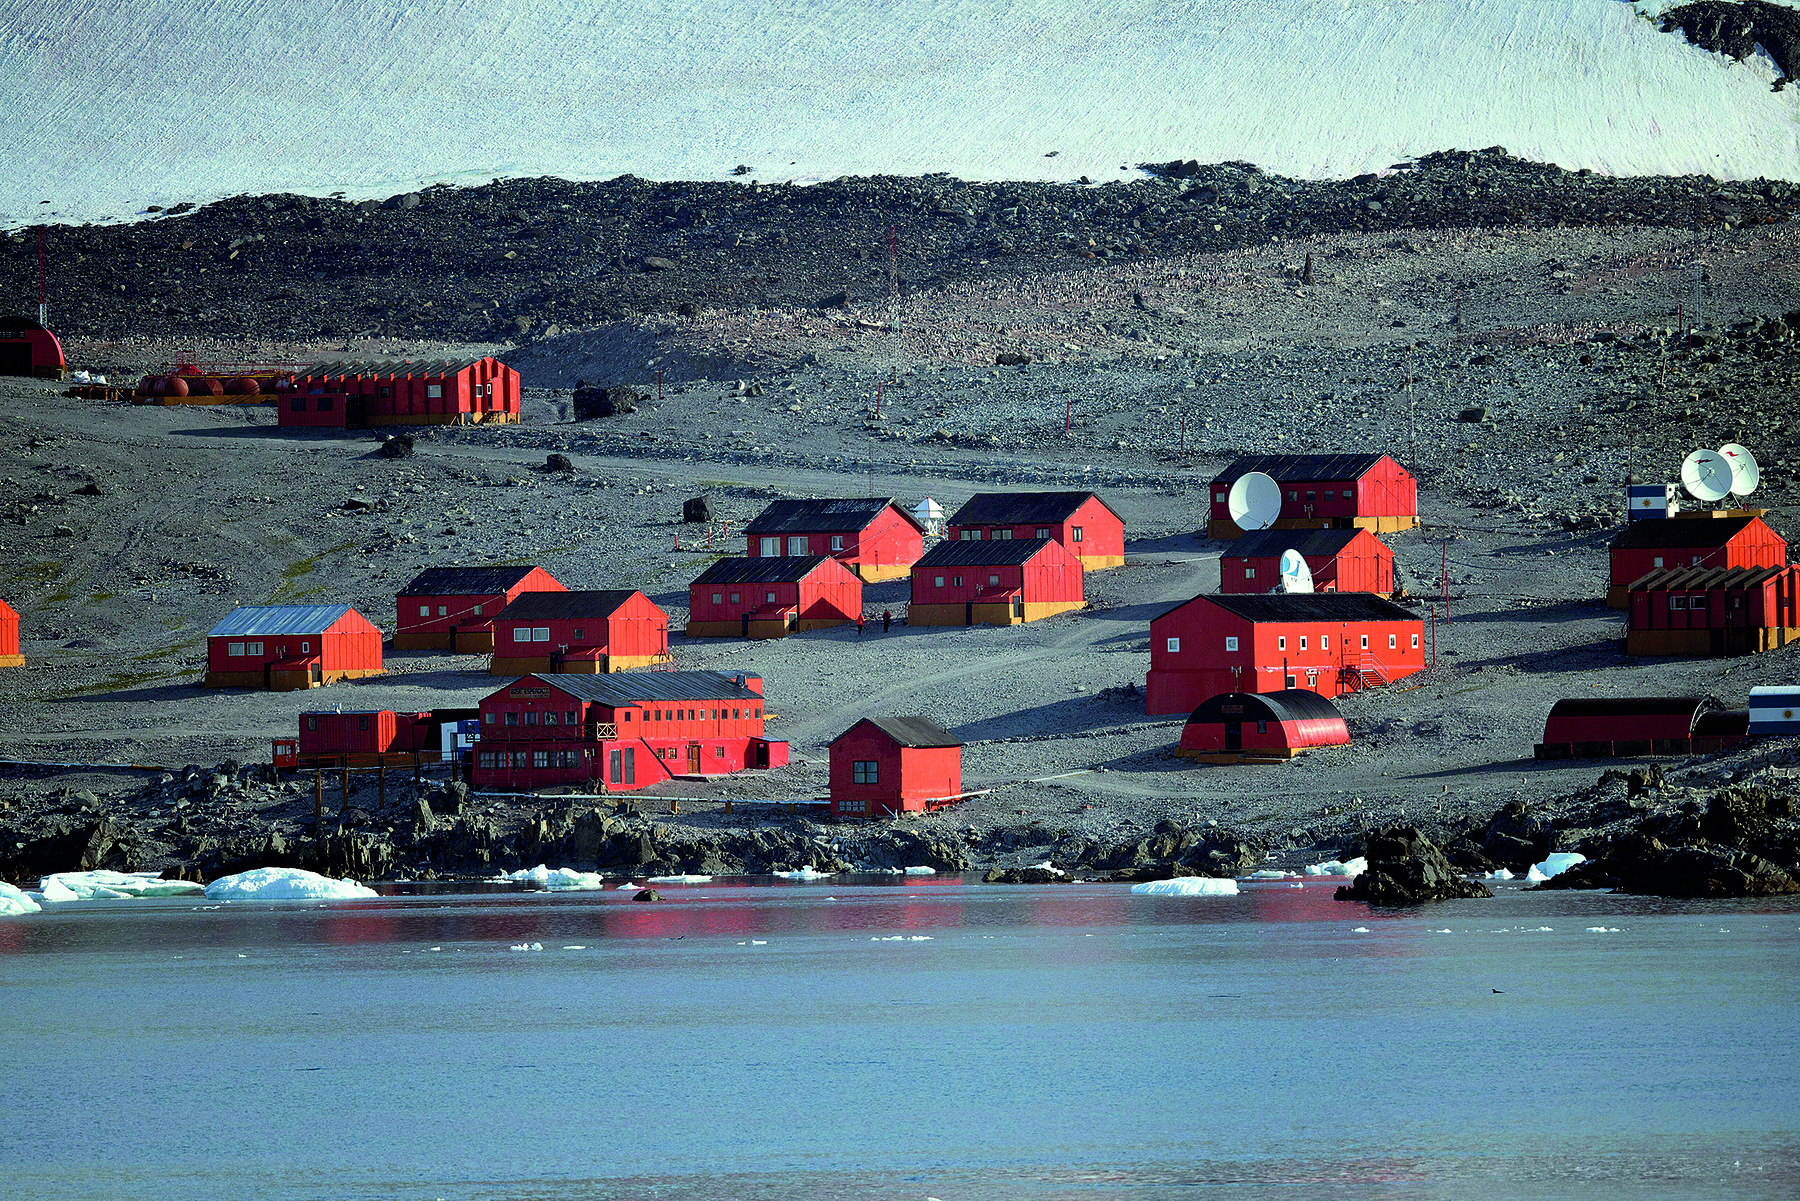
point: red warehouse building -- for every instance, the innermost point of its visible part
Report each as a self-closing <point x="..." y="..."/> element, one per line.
<point x="1647" y="546"/>
<point x="376" y="731"/>
<point x="1081" y="521"/>
<point x="875" y="538"/>
<point x="1261" y="725"/>
<point x="453" y="608"/>
<point x="361" y="394"/>
<point x="1625" y="726"/>
<point x="623" y="731"/>
<point x="1366" y="491"/>
<point x="886" y="765"/>
<point x="288" y="647"/>
<point x="994" y="583"/>
<point x="27" y="348"/>
<point x="771" y="598"/>
<point x="9" y="637"/>
<point x="1340" y="561"/>
<point x="1329" y="643"/>
<point x="584" y="633"/>
<point x="1713" y="611"/>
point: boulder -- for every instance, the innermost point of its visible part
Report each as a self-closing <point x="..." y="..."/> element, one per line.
<point x="556" y="462"/>
<point x="590" y="403"/>
<point x="1025" y="875"/>
<point x="646" y="894"/>
<point x="1011" y="358"/>
<point x="1516" y="838"/>
<point x="397" y="446"/>
<point x="1710" y="871"/>
<point x="696" y="508"/>
<point x="1405" y="868"/>
<point x="656" y="262"/>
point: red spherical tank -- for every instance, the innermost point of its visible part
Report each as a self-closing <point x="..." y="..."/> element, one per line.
<point x="243" y="385"/>
<point x="170" y="385"/>
<point x="147" y="385"/>
<point x="284" y="383"/>
<point x="204" y="385"/>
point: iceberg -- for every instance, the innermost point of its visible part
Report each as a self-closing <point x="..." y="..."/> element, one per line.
<point x="1267" y="873"/>
<point x="562" y="879"/>
<point x="1350" y="868"/>
<point x="1498" y="874"/>
<point x="14" y="903"/>
<point x="1553" y="865"/>
<point x="113" y="886"/>
<point x="806" y="873"/>
<point x="687" y="879"/>
<point x="284" y="884"/>
<point x="921" y="871"/>
<point x="1187" y="886"/>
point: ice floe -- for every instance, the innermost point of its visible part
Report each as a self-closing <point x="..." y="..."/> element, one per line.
<point x="561" y="879"/>
<point x="526" y="946"/>
<point x="1187" y="886"/>
<point x="1498" y="873"/>
<point x="1339" y="867"/>
<point x="112" y="886"/>
<point x="14" y="903"/>
<point x="1268" y="873"/>
<point x="284" y="884"/>
<point x="1602" y="929"/>
<point x="806" y="873"/>
<point x="921" y="871"/>
<point x="1554" y="864"/>
<point x="902" y="938"/>
<point x="679" y="880"/>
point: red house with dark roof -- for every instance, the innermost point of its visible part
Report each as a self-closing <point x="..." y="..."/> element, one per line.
<point x="9" y="637"/>
<point x="994" y="583"/>
<point x="1348" y="491"/>
<point x="359" y="394"/>
<point x="1713" y="611"/>
<point x="1686" y="542"/>
<point x="1261" y="725"/>
<point x="771" y="598"/>
<point x="886" y="765"/>
<point x="287" y="647"/>
<point x="1084" y="524"/>
<point x="875" y="538"/>
<point x="1325" y="642"/>
<point x="1340" y="561"/>
<point x="453" y="608"/>
<point x="579" y="632"/>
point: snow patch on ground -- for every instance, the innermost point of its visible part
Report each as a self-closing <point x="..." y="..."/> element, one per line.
<point x="1186" y="886"/>
<point x="1554" y="864"/>
<point x="113" y="886"/>
<point x="14" y="903"/>
<point x="284" y="884"/>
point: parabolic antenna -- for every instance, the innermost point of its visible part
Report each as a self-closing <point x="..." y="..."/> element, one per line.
<point x="1745" y="473"/>
<point x="1254" y="501"/>
<point x="1706" y="475"/>
<point x="1296" y="576"/>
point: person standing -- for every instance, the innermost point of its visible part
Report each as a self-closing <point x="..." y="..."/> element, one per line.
<point x="887" y="619"/>
<point x="859" y="625"/>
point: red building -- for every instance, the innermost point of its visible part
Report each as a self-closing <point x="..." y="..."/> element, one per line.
<point x="1340" y="561"/>
<point x="996" y="583"/>
<point x="378" y="731"/>
<point x="9" y="637"/>
<point x="1680" y="542"/>
<point x="579" y="632"/>
<point x="623" y="731"/>
<point x="1366" y="491"/>
<point x="886" y="765"/>
<point x="1629" y="726"/>
<point x="453" y="608"/>
<point x="288" y="647"/>
<point x="1081" y="521"/>
<point x="1261" y="725"/>
<point x="771" y="598"/>
<point x="27" y="348"/>
<point x="875" y="538"/>
<point x="1329" y="643"/>
<point x="361" y="394"/>
<point x="1713" y="611"/>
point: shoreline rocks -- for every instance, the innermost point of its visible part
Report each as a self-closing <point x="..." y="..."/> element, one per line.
<point x="1405" y="868"/>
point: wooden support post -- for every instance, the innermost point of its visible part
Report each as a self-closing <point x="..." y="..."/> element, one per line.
<point x="318" y="797"/>
<point x="727" y="808"/>
<point x="674" y="806"/>
<point x="380" y="790"/>
<point x="346" y="803"/>
<point x="418" y="767"/>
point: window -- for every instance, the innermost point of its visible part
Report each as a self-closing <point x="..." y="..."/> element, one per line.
<point x="551" y="718"/>
<point x="1281" y="643"/>
<point x="1678" y="602"/>
<point x="520" y="758"/>
<point x="1656" y="561"/>
<point x="434" y="391"/>
<point x="325" y="404"/>
<point x="1249" y="573"/>
<point x="1311" y="495"/>
<point x="971" y="535"/>
<point x="837" y="542"/>
<point x="1262" y="727"/>
<point x="253" y="648"/>
<point x="734" y="714"/>
<point x="865" y="771"/>
<point x="1303" y="642"/>
<point x="312" y="723"/>
<point x="488" y="717"/>
<point x="424" y="610"/>
<point x="1078" y="533"/>
<point x="540" y="634"/>
<point x="853" y="806"/>
<point x="1324" y="642"/>
<point x="1348" y="495"/>
<point x="628" y="714"/>
<point x="521" y="633"/>
<point x="385" y="391"/>
<point x="622" y="766"/>
<point x="1231" y="643"/>
<point x="531" y="717"/>
<point x="512" y="717"/>
<point x="1293" y="495"/>
<point x="797" y="544"/>
<point x="956" y="581"/>
<point x="771" y="546"/>
<point x="485" y="758"/>
<point x="756" y="713"/>
<point x="1041" y="532"/>
<point x="579" y="633"/>
<point x="939" y="583"/>
<point x="571" y="759"/>
<point x="1365" y="642"/>
<point x="1393" y="641"/>
<point x="1003" y="535"/>
<point x="1174" y="645"/>
<point x="443" y="611"/>
<point x="992" y="580"/>
<point x="1696" y="562"/>
<point x="768" y="598"/>
<point x="718" y="598"/>
<point x="1219" y="497"/>
<point x="235" y="649"/>
<point x="297" y="405"/>
<point x="1415" y="644"/>
<point x="540" y="758"/>
<point x="362" y="721"/>
<point x="478" y="610"/>
<point x="719" y="752"/>
<point x="572" y="717"/>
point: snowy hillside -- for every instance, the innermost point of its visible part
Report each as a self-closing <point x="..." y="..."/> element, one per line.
<point x="109" y="105"/>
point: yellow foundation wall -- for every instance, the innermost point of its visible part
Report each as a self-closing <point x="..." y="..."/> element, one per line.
<point x="478" y="643"/>
<point x="1618" y="597"/>
<point x="282" y="681"/>
<point x="985" y="614"/>
<point x="12" y="660"/>
<point x="875" y="573"/>
<point x="1100" y="562"/>
<point x="715" y="629"/>
<point x="934" y="615"/>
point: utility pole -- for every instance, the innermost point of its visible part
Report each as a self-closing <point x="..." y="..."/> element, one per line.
<point x="43" y="307"/>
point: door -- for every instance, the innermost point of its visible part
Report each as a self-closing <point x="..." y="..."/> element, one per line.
<point x="968" y="613"/>
<point x="1234" y="735"/>
<point x="1018" y="608"/>
<point x="318" y="673"/>
<point x="759" y="752"/>
<point x="746" y="624"/>
<point x="353" y="412"/>
<point x="693" y="759"/>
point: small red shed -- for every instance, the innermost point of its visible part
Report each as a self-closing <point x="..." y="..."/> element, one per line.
<point x="996" y="583"/>
<point x="875" y="538"/>
<point x="886" y="765"/>
<point x="771" y="598"/>
<point x="1713" y="611"/>
<point x="9" y="637"/>
<point x="1340" y="561"/>
<point x="1628" y="726"/>
<point x="360" y="394"/>
<point x="366" y="732"/>
<point x="453" y="608"/>
<point x="27" y="348"/>
<point x="1325" y="642"/>
<point x="1084" y="524"/>
<point x="582" y="633"/>
<point x="1362" y="491"/>
<point x="288" y="647"/>
<point x="1682" y="542"/>
<point x="1262" y="725"/>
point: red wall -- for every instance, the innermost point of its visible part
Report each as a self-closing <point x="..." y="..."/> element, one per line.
<point x="1618" y="727"/>
<point x="1274" y="735"/>
<point x="637" y="627"/>
<point x="906" y="777"/>
<point x="349" y="644"/>
<point x="1053" y="574"/>
<point x="1756" y="545"/>
<point x="486" y="386"/>
<point x="889" y="540"/>
<point x="337" y="733"/>
<point x="1770" y="604"/>
<point x="1385" y="490"/>
<point x="9" y="630"/>
<point x="830" y="592"/>
<point x="1364" y="565"/>
<point x="1102" y="531"/>
<point x="461" y="607"/>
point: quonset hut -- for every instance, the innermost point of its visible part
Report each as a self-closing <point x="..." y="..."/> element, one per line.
<point x="1629" y="726"/>
<point x="27" y="348"/>
<point x="287" y="647"/>
<point x="772" y="598"/>
<point x="1261" y="725"/>
<point x="453" y="608"/>
<point x="1367" y="491"/>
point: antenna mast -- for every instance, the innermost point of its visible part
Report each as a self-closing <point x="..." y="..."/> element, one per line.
<point x="43" y="309"/>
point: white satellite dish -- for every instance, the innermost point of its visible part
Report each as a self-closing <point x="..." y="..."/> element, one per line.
<point x="1254" y="501"/>
<point x="1745" y="473"/>
<point x="1707" y="475"/>
<point x="1296" y="576"/>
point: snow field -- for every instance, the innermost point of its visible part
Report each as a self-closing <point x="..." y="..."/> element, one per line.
<point x="284" y="884"/>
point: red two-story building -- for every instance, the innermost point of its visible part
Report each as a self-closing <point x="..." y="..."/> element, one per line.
<point x="772" y="598"/>
<point x="1084" y="524"/>
<point x="1340" y="561"/>
<point x="453" y="608"/>
<point x="582" y="633"/>
<point x="287" y="647"/>
<point x="994" y="583"/>
<point x="886" y="765"/>
<point x="1361" y="491"/>
<point x="875" y="538"/>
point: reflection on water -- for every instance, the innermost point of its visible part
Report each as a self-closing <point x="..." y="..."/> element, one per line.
<point x="902" y="1038"/>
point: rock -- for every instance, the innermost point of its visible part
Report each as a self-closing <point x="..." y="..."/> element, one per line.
<point x="556" y="462"/>
<point x="656" y="262"/>
<point x="1012" y="358"/>
<point x="837" y="300"/>
<point x="1025" y="875"/>
<point x="456" y="794"/>
<point x="696" y="509"/>
<point x="590" y="403"/>
<point x="423" y="818"/>
<point x="89" y="489"/>
<point x="397" y="446"/>
<point x="1473" y="415"/>
<point x="1405" y="868"/>
<point x="1516" y="838"/>
<point x="646" y="894"/>
<point x="1711" y="871"/>
<point x="359" y="504"/>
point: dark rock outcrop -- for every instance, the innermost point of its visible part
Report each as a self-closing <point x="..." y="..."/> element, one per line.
<point x="590" y="403"/>
<point x="1405" y="868"/>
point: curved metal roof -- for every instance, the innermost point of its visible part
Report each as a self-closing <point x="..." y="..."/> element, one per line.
<point x="1290" y="704"/>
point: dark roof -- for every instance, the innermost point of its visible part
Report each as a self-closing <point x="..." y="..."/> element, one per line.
<point x="1667" y="578"/>
<point x="1268" y="544"/>
<point x="1627" y="706"/>
<point x="279" y="619"/>
<point x="908" y="731"/>
<point x="1289" y="704"/>
<point x="1021" y="508"/>
<point x="1300" y="468"/>
<point x="823" y="516"/>
<point x="780" y="569"/>
<point x="1670" y="532"/>
<point x="530" y="606"/>
<point x="631" y="687"/>
<point x="1306" y="606"/>
<point x="465" y="581"/>
<point x="356" y="368"/>
<point x="988" y="552"/>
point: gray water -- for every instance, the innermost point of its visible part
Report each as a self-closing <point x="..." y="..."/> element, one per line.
<point x="755" y="1042"/>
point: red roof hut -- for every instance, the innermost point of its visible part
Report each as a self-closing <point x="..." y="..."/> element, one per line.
<point x="1713" y="611"/>
<point x="1678" y="542"/>
<point x="1366" y="491"/>
<point x="771" y="598"/>
<point x="996" y="583"/>
<point x="453" y="608"/>
<point x="626" y="731"/>
<point x="1340" y="561"/>
<point x="365" y="393"/>
<point x="1627" y="726"/>
<point x="1261" y="725"/>
<point x="886" y="765"/>
<point x="579" y="632"/>
<point x="9" y="637"/>
<point x="27" y="348"/>
<point x="288" y="647"/>
<point x="875" y="538"/>
<point x="1081" y="521"/>
<point x="1325" y="642"/>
